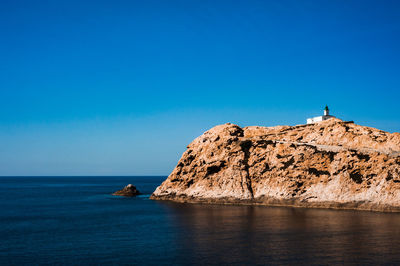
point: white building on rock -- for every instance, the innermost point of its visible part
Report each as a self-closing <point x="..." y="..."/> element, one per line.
<point x="326" y="116"/>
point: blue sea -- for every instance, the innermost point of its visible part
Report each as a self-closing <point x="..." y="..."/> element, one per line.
<point x="76" y="221"/>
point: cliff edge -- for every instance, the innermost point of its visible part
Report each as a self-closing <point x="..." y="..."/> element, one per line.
<point x="330" y="164"/>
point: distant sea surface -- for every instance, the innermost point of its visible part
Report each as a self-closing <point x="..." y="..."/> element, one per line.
<point x="76" y="221"/>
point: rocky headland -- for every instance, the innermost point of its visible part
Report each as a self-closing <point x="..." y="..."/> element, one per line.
<point x="330" y="164"/>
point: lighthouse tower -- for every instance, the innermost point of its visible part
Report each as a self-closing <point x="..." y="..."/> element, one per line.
<point x="326" y="111"/>
<point x="326" y="116"/>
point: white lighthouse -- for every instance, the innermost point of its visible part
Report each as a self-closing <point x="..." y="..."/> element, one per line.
<point x="326" y="111"/>
<point x="326" y="116"/>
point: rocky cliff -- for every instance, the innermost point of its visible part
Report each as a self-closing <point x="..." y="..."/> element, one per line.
<point x="330" y="164"/>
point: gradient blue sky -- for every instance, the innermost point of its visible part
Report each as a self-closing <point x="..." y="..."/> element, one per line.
<point x="121" y="87"/>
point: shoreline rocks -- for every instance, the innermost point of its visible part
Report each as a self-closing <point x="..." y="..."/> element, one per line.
<point x="330" y="164"/>
<point x="128" y="191"/>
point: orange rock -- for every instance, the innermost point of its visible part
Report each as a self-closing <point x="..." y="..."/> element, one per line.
<point x="330" y="164"/>
<point x="128" y="191"/>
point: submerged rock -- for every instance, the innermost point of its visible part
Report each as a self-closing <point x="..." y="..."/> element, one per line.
<point x="128" y="191"/>
<point x="330" y="164"/>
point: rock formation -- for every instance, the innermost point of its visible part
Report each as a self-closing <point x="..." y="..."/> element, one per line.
<point x="128" y="191"/>
<point x="330" y="164"/>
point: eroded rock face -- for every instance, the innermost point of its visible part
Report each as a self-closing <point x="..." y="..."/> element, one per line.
<point x="128" y="191"/>
<point x="331" y="164"/>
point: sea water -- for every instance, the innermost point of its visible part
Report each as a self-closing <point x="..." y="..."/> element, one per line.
<point x="76" y="221"/>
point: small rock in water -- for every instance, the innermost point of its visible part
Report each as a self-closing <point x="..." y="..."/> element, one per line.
<point x="128" y="191"/>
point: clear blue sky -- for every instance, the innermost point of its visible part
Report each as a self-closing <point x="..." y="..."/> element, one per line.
<point x="121" y="87"/>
